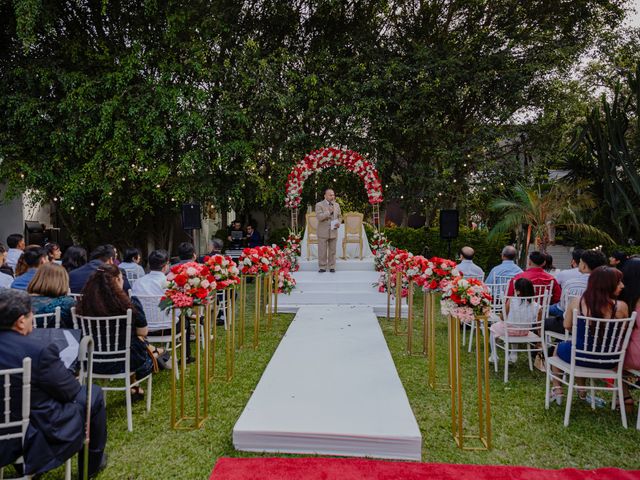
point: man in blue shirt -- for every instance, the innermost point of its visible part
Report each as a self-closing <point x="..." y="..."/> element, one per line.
<point x="507" y="268"/>
<point x="34" y="257"/>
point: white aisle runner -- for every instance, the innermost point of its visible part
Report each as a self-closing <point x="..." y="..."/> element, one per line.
<point x="331" y="388"/>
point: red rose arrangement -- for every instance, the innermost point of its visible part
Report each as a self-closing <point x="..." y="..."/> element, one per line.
<point x="190" y="284"/>
<point x="256" y="261"/>
<point x="437" y="272"/>
<point x="224" y="270"/>
<point x="464" y="298"/>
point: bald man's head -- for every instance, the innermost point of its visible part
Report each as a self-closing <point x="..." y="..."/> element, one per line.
<point x="467" y="253"/>
<point x="509" y="253"/>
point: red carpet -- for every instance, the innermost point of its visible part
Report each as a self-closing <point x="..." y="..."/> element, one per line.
<point x="358" y="469"/>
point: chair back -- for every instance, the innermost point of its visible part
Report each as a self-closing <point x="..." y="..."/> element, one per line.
<point x="15" y="429"/>
<point x="47" y="320"/>
<point x="603" y="341"/>
<point x="498" y="291"/>
<point x="570" y="293"/>
<point x="353" y="223"/>
<point x="156" y="318"/>
<point x="75" y="296"/>
<point x="545" y="290"/>
<point x="312" y="223"/>
<point x="536" y="323"/>
<point x="504" y="278"/>
<point x="111" y="337"/>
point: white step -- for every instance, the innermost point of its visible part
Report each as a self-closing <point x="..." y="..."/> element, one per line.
<point x="341" y="265"/>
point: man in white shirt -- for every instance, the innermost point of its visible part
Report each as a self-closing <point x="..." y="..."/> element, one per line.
<point x="573" y="272"/>
<point x="589" y="261"/>
<point x="16" y="245"/>
<point x="466" y="265"/>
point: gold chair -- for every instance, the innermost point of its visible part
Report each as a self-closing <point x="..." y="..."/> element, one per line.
<point x="352" y="231"/>
<point x="312" y="228"/>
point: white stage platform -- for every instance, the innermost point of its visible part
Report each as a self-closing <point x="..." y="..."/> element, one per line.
<point x="351" y="284"/>
<point x="331" y="388"/>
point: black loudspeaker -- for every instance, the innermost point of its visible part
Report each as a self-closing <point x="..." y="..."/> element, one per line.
<point x="191" y="217"/>
<point x="449" y="224"/>
<point x="34" y="233"/>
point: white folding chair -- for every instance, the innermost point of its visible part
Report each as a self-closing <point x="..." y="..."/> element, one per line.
<point x="548" y="291"/>
<point x="112" y="339"/>
<point x="159" y="320"/>
<point x="634" y="384"/>
<point x="498" y="291"/>
<point x="47" y="320"/>
<point x="504" y="279"/>
<point x="75" y="296"/>
<point x="16" y="429"/>
<point x="609" y="347"/>
<point x="568" y="294"/>
<point x="531" y="342"/>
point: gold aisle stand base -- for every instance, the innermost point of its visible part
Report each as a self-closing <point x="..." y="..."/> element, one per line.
<point x="267" y="299"/>
<point x="429" y="312"/>
<point x="181" y="419"/>
<point x="230" y="337"/>
<point x="397" y="320"/>
<point x="483" y="438"/>
<point x="410" y="325"/>
<point x="257" y="309"/>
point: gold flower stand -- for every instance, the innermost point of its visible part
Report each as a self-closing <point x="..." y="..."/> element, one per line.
<point x="397" y="318"/>
<point x="267" y="298"/>
<point x="259" y="307"/>
<point x="481" y="440"/>
<point x="183" y="417"/>
<point x="410" y="323"/>
<point x="430" y="321"/>
<point x="230" y="336"/>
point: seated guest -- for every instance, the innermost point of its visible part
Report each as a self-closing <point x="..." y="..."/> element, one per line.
<point x="215" y="248"/>
<point x="236" y="235"/>
<point x="16" y="245"/>
<point x="548" y="265"/>
<point x="74" y="257"/>
<point x="104" y="254"/>
<point x="186" y="253"/>
<point x="589" y="261"/>
<point x="253" y="237"/>
<point x="599" y="300"/>
<point x="618" y="259"/>
<point x="53" y="252"/>
<point x="103" y="296"/>
<point x="538" y="276"/>
<point x="564" y="275"/>
<point x="132" y="262"/>
<point x="507" y="268"/>
<point x="33" y="257"/>
<point x="524" y="312"/>
<point x="155" y="283"/>
<point x="631" y="296"/>
<point x="466" y="265"/>
<point x="57" y="418"/>
<point x="48" y="289"/>
<point x="6" y="272"/>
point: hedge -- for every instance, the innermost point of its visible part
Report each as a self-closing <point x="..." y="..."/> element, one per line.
<point x="422" y="241"/>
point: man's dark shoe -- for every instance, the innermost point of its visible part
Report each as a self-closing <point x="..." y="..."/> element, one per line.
<point x="322" y="270"/>
<point x="333" y="270"/>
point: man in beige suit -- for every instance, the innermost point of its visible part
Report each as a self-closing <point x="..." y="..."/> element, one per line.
<point x="329" y="217"/>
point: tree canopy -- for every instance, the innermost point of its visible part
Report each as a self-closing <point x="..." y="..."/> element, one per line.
<point x="119" y="111"/>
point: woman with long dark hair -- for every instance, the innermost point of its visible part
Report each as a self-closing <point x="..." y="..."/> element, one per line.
<point x="631" y="296"/>
<point x="74" y="257"/>
<point x="599" y="300"/>
<point x="103" y="296"/>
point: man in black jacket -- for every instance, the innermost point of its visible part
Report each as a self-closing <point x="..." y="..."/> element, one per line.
<point x="102" y="254"/>
<point x="56" y="428"/>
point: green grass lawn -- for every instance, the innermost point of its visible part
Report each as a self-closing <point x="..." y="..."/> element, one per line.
<point x="524" y="433"/>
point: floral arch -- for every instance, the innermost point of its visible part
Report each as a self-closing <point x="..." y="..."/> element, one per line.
<point x="318" y="160"/>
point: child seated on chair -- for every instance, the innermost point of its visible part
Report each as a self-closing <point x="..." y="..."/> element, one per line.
<point x="522" y="311"/>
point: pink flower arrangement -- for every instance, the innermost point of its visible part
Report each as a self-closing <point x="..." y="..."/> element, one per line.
<point x="286" y="282"/>
<point x="319" y="160"/>
<point x="395" y="261"/>
<point x="464" y="298"/>
<point x="292" y="250"/>
<point x="256" y="261"/>
<point x="189" y="284"/>
<point x="437" y="272"/>
<point x="224" y="271"/>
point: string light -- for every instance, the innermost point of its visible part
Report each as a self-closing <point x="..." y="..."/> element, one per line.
<point x="92" y="204"/>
